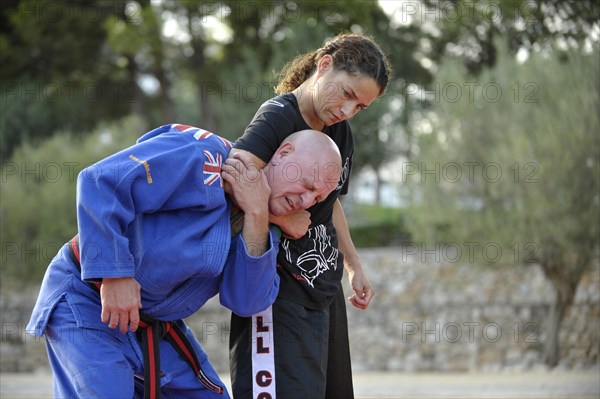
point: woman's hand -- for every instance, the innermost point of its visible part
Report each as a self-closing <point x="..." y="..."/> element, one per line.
<point x="294" y="225"/>
<point x="363" y="291"/>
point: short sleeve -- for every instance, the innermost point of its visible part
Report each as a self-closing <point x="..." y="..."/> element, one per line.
<point x="272" y="123"/>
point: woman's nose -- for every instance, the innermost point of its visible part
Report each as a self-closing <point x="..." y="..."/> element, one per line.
<point x="348" y="109"/>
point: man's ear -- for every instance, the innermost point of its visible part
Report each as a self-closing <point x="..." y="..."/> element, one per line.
<point x="285" y="149"/>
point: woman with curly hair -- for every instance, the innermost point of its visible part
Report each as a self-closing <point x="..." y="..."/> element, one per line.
<point x="298" y="348"/>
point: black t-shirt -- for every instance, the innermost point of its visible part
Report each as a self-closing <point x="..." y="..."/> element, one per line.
<point x="311" y="267"/>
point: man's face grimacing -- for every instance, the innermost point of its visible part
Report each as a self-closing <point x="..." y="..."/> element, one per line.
<point x="304" y="170"/>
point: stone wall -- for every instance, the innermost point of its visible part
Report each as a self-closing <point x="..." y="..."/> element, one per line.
<point x="440" y="316"/>
<point x="426" y="316"/>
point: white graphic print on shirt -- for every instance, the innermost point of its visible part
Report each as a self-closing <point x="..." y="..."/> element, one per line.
<point x="317" y="260"/>
<point x="344" y="174"/>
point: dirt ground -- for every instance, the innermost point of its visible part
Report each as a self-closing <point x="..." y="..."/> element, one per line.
<point x="555" y="384"/>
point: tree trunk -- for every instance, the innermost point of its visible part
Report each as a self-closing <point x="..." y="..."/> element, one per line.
<point x="132" y="91"/>
<point x="166" y="103"/>
<point x="378" y="187"/>
<point x="565" y="294"/>
<point x="208" y="116"/>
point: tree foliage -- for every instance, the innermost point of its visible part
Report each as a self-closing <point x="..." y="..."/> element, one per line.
<point x="514" y="164"/>
<point x="469" y="28"/>
<point x="56" y="70"/>
<point x="38" y="193"/>
<point x="70" y="65"/>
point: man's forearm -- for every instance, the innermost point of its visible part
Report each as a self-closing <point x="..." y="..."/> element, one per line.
<point x="256" y="232"/>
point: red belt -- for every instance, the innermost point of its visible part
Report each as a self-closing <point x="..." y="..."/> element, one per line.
<point x="151" y="332"/>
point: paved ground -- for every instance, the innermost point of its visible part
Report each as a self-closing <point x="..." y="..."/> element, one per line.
<point x="572" y="385"/>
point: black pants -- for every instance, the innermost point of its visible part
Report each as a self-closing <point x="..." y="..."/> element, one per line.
<point x="290" y="351"/>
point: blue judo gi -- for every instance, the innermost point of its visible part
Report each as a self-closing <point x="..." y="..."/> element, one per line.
<point x="155" y="211"/>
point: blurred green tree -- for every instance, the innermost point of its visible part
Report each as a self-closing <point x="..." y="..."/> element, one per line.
<point x="513" y="161"/>
<point x="56" y="69"/>
<point x="38" y="194"/>
<point x="469" y="28"/>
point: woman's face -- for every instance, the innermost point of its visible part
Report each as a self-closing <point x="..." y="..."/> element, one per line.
<point x="338" y="95"/>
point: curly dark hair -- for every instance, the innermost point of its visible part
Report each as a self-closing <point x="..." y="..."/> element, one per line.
<point x="352" y="53"/>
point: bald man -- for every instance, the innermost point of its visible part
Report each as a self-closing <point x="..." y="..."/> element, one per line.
<point x="163" y="226"/>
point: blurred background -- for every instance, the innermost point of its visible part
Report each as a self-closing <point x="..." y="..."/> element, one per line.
<point x="475" y="192"/>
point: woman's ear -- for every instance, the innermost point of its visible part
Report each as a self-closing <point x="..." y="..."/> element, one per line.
<point x="324" y="64"/>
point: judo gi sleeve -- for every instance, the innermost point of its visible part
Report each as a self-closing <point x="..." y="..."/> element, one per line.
<point x="250" y="284"/>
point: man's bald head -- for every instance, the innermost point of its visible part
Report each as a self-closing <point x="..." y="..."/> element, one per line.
<point x="304" y="170"/>
<point x="317" y="144"/>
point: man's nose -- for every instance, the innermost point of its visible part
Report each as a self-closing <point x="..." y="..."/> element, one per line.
<point x="308" y="199"/>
